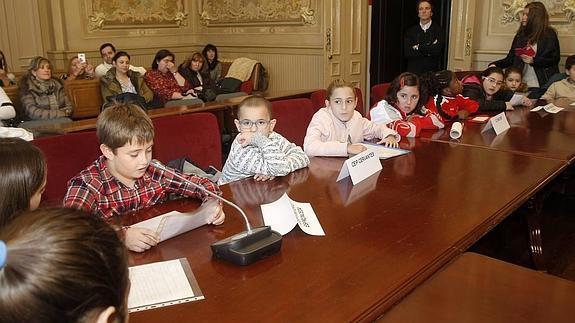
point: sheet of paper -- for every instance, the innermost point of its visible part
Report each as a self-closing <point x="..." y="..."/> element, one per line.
<point x="279" y="215"/>
<point x="284" y="214"/>
<point x="161" y="284"/>
<point x="517" y="99"/>
<point x="572" y="104"/>
<point x="385" y="152"/>
<point x="174" y="223"/>
<point x="551" y="108"/>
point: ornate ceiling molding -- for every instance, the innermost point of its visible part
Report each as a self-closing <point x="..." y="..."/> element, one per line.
<point x="256" y="12"/>
<point x="120" y="14"/>
<point x="560" y="11"/>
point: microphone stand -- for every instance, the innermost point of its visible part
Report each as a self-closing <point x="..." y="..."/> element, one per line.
<point x="242" y="248"/>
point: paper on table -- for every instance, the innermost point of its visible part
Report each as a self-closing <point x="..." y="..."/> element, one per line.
<point x="283" y="215"/>
<point x="551" y="108"/>
<point x="572" y="104"/>
<point x="161" y="284"/>
<point x="517" y="99"/>
<point x="385" y="152"/>
<point x="174" y="223"/>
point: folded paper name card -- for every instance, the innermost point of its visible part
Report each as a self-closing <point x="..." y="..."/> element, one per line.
<point x="498" y="123"/>
<point x="360" y="166"/>
<point x="284" y="214"/>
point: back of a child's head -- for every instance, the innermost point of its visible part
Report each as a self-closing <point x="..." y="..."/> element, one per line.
<point x="336" y="84"/>
<point x="122" y="123"/>
<point x="22" y="172"/>
<point x="569" y="62"/>
<point x="61" y="265"/>
<point x="405" y="79"/>
<point x="436" y="82"/>
<point x="255" y="101"/>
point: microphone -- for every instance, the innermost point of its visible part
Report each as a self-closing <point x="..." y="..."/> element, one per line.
<point x="242" y="248"/>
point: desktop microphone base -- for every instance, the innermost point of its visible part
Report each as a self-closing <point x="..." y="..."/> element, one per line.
<point x="243" y="248"/>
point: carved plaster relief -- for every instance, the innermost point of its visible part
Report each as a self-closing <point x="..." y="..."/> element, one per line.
<point x="120" y="14"/>
<point x="560" y="11"/>
<point x="256" y="12"/>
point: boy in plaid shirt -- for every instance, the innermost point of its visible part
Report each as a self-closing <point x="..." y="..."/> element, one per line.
<point x="123" y="180"/>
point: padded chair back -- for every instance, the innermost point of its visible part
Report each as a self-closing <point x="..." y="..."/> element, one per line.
<point x="379" y="92"/>
<point x="293" y="116"/>
<point x="318" y="99"/>
<point x="86" y="97"/>
<point x="195" y="135"/>
<point x="66" y="155"/>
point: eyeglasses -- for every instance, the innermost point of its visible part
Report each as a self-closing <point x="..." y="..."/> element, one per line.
<point x="246" y="124"/>
<point x="494" y="81"/>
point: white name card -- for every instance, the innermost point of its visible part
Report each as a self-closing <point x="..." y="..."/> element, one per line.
<point x="360" y="166"/>
<point x="499" y="123"/>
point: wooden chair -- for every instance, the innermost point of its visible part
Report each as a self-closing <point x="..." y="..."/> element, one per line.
<point x="378" y="93"/>
<point x="86" y="97"/>
<point x="66" y="155"/>
<point x="195" y="135"/>
<point x="293" y="116"/>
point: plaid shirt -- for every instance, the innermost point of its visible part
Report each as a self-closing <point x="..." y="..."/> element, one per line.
<point x="97" y="191"/>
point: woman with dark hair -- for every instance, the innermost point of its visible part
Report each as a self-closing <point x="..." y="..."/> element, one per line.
<point x="535" y="47"/>
<point x="212" y="66"/>
<point x="43" y="96"/>
<point x="6" y="78"/>
<point x="487" y="90"/>
<point x="62" y="265"/>
<point x="121" y="79"/>
<point x="200" y="82"/>
<point x="22" y="177"/>
<point x="165" y="80"/>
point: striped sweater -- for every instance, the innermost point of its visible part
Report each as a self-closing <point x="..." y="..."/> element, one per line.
<point x="273" y="156"/>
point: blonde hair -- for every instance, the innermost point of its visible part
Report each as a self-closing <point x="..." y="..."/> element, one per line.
<point x="336" y="84"/>
<point x="123" y="122"/>
<point x="36" y="63"/>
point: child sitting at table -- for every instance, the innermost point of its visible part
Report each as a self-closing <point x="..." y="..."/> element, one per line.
<point x="514" y="80"/>
<point x="62" y="265"/>
<point x="123" y="180"/>
<point x="403" y="110"/>
<point x="338" y="130"/>
<point x="445" y="97"/>
<point x="258" y="151"/>
<point x="564" y="89"/>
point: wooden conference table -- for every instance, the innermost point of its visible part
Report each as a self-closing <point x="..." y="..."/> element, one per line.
<point x="383" y="237"/>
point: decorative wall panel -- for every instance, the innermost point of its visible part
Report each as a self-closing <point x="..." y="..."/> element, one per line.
<point x="560" y="11"/>
<point x="256" y="12"/>
<point x="123" y="14"/>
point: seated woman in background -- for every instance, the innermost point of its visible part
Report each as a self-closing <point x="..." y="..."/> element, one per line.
<point x="78" y="70"/>
<point x="6" y="78"/>
<point x="514" y="80"/>
<point x="165" y="80"/>
<point x="120" y="79"/>
<point x="212" y="66"/>
<point x="6" y="107"/>
<point x="62" y="265"/>
<point x="43" y="96"/>
<point x="487" y="91"/>
<point x="22" y="178"/>
<point x="200" y="82"/>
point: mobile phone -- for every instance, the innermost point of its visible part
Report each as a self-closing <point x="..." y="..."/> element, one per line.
<point x="82" y="57"/>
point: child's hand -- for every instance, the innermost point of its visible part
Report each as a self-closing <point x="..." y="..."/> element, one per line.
<point x="263" y="178"/>
<point x="462" y="114"/>
<point x="389" y="141"/>
<point x="508" y="106"/>
<point x="140" y="239"/>
<point x="354" y="149"/>
<point x="526" y="102"/>
<point x="219" y="216"/>
<point x="245" y="138"/>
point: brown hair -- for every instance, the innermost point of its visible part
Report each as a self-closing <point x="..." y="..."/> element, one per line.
<point x="537" y="22"/>
<point x="336" y="84"/>
<point x="62" y="265"/>
<point x="195" y="57"/>
<point x="22" y="172"/>
<point x="36" y="63"/>
<point x="407" y="79"/>
<point x="121" y="123"/>
<point x="255" y="101"/>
